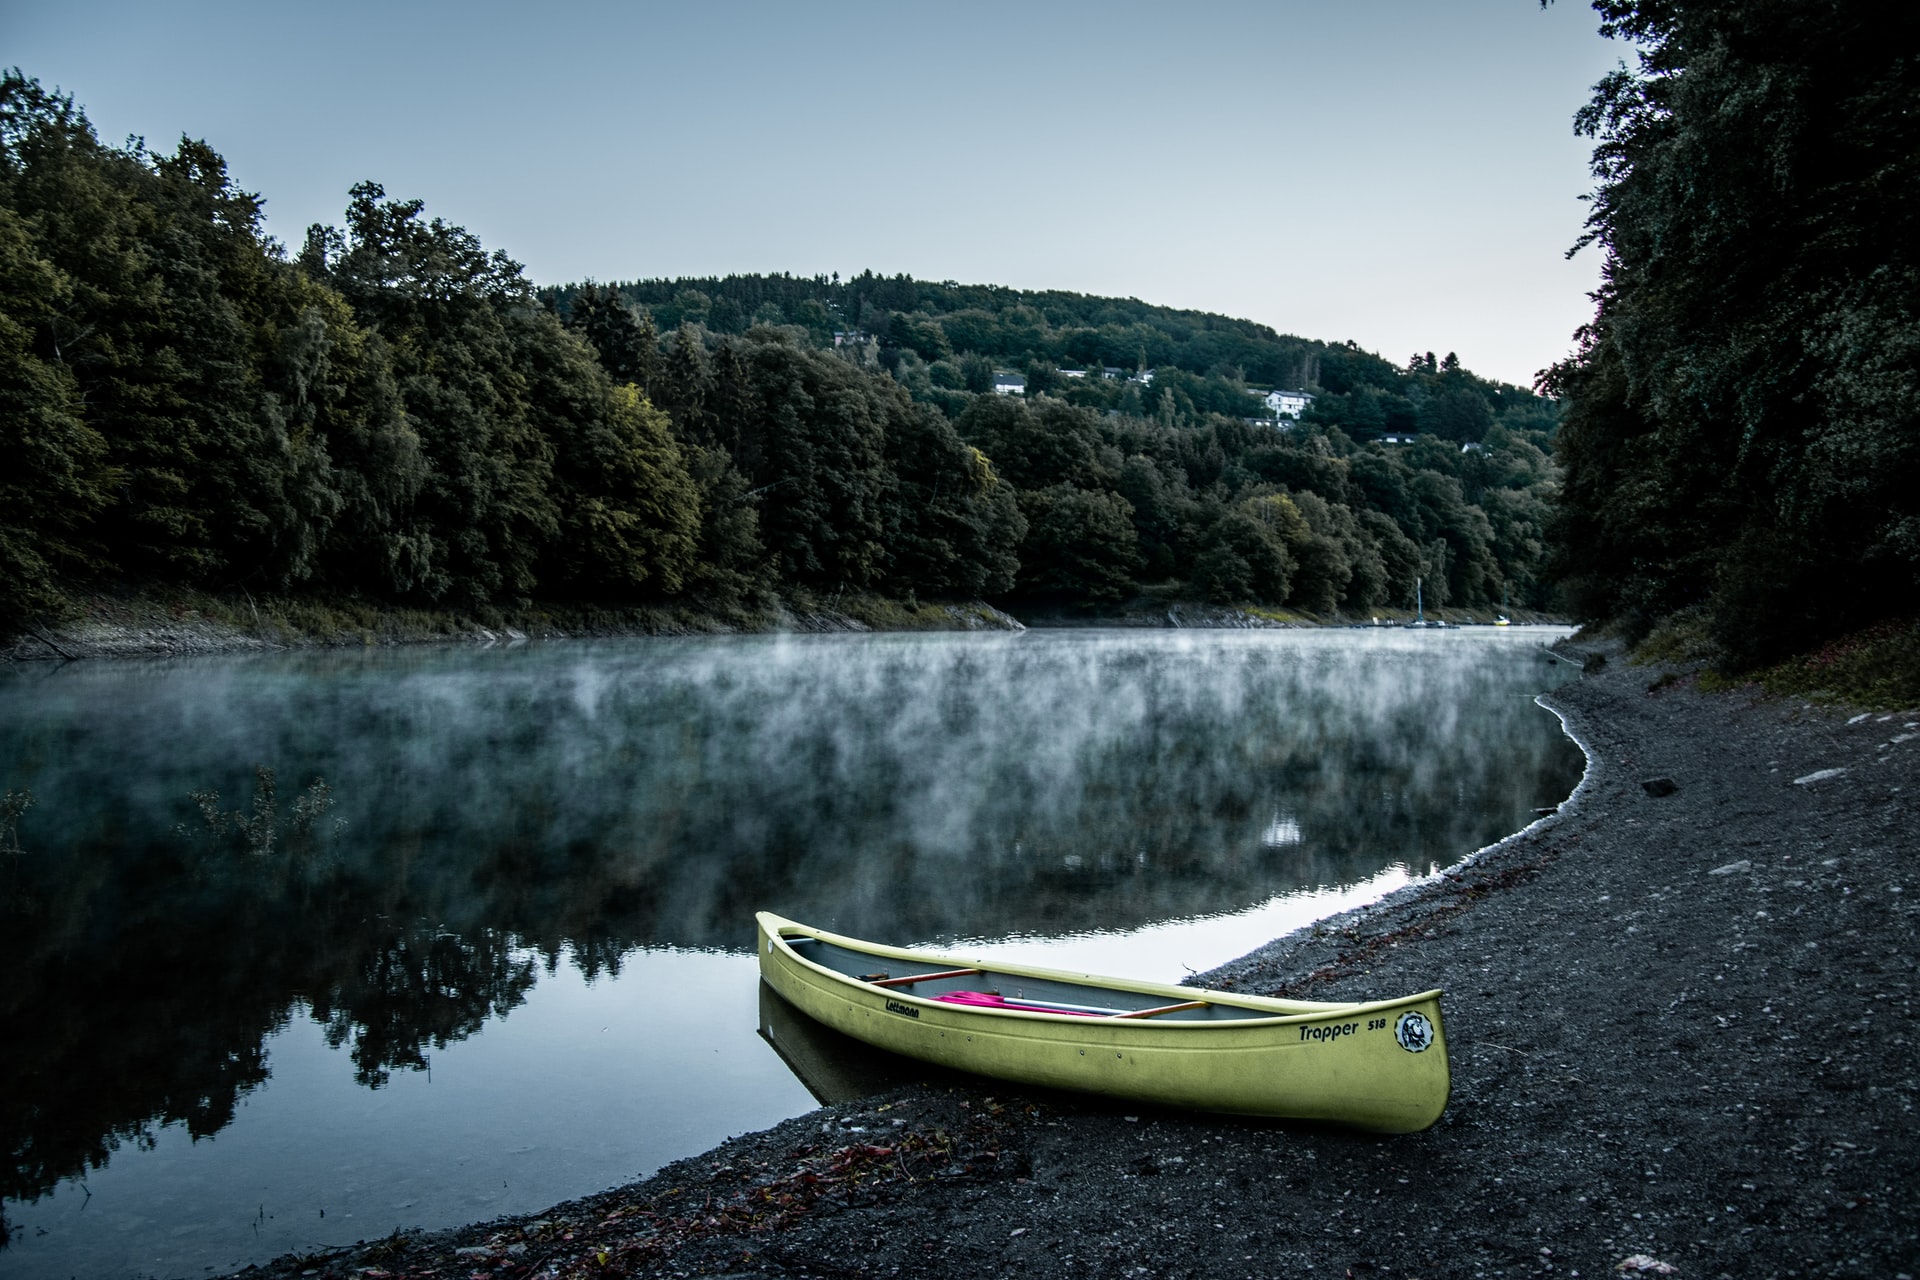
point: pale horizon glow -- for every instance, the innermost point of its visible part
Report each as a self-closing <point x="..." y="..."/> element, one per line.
<point x="1401" y="174"/>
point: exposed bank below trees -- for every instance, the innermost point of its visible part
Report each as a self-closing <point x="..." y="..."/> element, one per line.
<point x="180" y="622"/>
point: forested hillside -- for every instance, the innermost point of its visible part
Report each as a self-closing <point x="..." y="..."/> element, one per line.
<point x="1743" y="439"/>
<point x="943" y="341"/>
<point x="393" y="413"/>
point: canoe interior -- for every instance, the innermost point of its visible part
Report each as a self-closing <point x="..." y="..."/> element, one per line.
<point x="1075" y="997"/>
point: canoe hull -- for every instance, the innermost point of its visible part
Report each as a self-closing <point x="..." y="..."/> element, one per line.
<point x="1348" y="1064"/>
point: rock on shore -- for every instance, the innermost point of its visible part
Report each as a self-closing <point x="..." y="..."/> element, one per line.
<point x="1684" y="1043"/>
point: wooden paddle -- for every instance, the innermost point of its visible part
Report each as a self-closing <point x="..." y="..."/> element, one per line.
<point x="912" y="978"/>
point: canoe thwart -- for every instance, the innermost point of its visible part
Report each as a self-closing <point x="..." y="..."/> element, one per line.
<point x="1165" y="1008"/>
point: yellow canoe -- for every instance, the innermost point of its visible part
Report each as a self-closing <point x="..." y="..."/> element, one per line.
<point x="1379" y="1065"/>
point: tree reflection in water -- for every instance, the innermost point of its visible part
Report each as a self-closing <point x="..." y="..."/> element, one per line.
<point x="427" y="987"/>
<point x="140" y="994"/>
<point x="488" y="814"/>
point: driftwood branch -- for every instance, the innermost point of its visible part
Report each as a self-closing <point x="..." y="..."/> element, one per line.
<point x="49" y="641"/>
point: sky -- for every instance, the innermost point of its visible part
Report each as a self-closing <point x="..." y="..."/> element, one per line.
<point x="1401" y="173"/>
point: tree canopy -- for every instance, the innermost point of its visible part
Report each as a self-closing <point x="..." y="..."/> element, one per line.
<point x="1740" y="440"/>
<point x="394" y="412"/>
<point x="945" y="340"/>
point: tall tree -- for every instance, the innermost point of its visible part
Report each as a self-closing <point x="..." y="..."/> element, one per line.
<point x="171" y="319"/>
<point x="53" y="473"/>
<point x="1080" y="546"/>
<point x="822" y="466"/>
<point x="445" y="308"/>
<point x="625" y="343"/>
<point x="1740" y="433"/>
<point x="954" y="524"/>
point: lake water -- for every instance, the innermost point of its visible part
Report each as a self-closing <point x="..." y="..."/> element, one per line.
<point x="302" y="948"/>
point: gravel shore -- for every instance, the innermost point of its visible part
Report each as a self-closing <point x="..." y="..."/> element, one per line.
<point x="1681" y="1014"/>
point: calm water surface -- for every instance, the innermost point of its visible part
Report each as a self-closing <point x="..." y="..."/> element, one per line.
<point x="306" y="947"/>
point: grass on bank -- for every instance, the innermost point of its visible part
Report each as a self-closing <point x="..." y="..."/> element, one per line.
<point x="1876" y="668"/>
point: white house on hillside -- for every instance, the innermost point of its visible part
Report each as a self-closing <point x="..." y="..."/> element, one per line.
<point x="1009" y="384"/>
<point x="1288" y="404"/>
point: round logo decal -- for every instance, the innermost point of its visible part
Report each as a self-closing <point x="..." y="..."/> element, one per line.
<point x="1414" y="1032"/>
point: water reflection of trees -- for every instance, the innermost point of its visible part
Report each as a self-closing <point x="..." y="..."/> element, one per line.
<point x="427" y="987"/>
<point x="584" y="804"/>
<point x="142" y="986"/>
<point x="115" y="1030"/>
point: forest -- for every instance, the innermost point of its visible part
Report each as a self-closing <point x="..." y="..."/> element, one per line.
<point x="393" y="412"/>
<point x="946" y="341"/>
<point x="1742" y="432"/>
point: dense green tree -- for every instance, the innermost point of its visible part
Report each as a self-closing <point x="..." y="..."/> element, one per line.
<point x="1370" y="578"/>
<point x="1457" y="415"/>
<point x="1244" y="554"/>
<point x="976" y="374"/>
<point x="1080" y="546"/>
<point x="1399" y="557"/>
<point x="1447" y="519"/>
<point x="341" y="402"/>
<point x="1740" y="433"/>
<point x="1042" y="379"/>
<point x="826" y="488"/>
<point x="686" y="383"/>
<point x="625" y="343"/>
<point x="733" y="420"/>
<point x="1325" y="555"/>
<point x="107" y="326"/>
<point x="1035" y="445"/>
<point x="53" y="473"/>
<point x="955" y="526"/>
<point x="835" y="475"/>
<point x="629" y="512"/>
<point x="1165" y="516"/>
<point x="1305" y="463"/>
<point x="450" y="312"/>
<point x="921" y="335"/>
<point x="732" y="567"/>
<point x="186" y="339"/>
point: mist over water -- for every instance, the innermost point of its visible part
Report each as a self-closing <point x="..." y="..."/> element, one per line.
<point x="533" y="872"/>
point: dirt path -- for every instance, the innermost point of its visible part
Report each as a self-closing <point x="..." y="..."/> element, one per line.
<point x="1683" y="1036"/>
